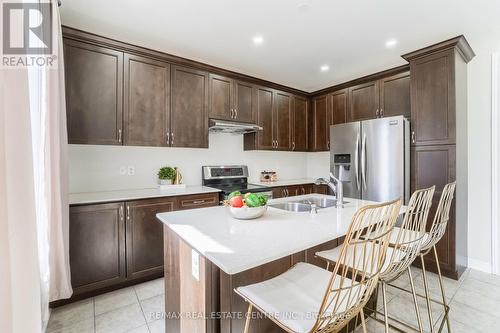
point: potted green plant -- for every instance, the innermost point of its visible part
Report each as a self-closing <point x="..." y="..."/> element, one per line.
<point x="166" y="175"/>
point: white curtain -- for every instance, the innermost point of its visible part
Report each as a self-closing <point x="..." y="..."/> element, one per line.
<point x="19" y="266"/>
<point x="48" y="120"/>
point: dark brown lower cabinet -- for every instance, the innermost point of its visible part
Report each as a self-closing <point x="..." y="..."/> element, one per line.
<point x="293" y="190"/>
<point x="113" y="245"/>
<point x="97" y="246"/>
<point x="145" y="236"/>
<point x="435" y="165"/>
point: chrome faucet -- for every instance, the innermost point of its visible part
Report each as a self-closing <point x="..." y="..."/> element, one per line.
<point x="337" y="188"/>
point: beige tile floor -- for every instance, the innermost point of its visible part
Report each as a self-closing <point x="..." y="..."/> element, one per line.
<point x="474" y="301"/>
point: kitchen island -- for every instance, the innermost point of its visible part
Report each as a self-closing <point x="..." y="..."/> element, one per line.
<point x="208" y="254"/>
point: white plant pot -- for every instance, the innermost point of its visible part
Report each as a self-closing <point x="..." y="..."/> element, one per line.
<point x="165" y="181"/>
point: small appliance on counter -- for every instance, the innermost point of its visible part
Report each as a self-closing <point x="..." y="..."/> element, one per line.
<point x="230" y="178"/>
<point x="268" y="176"/>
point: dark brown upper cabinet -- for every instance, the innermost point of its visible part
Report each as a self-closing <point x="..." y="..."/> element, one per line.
<point x="282" y="129"/>
<point x="147" y="102"/>
<point x="321" y="110"/>
<point x="339" y="107"/>
<point x="144" y="235"/>
<point x="264" y="105"/>
<point x="221" y="97"/>
<point x="282" y="122"/>
<point x="364" y="101"/>
<point x="395" y="95"/>
<point x="230" y="99"/>
<point x="97" y="246"/>
<point x="300" y="124"/>
<point x="189" y="113"/>
<point x="94" y="88"/>
<point x="432" y="95"/>
<point x="244" y="101"/>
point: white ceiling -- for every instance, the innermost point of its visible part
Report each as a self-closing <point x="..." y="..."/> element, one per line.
<point x="299" y="35"/>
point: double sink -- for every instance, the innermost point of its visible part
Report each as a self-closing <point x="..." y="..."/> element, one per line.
<point x="305" y="204"/>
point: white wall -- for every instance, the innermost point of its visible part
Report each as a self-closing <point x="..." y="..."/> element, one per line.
<point x="479" y="161"/>
<point x="96" y="168"/>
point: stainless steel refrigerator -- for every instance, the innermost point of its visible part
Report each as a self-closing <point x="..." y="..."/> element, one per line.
<point x="372" y="158"/>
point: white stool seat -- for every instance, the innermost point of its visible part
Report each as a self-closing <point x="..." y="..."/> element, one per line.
<point x="409" y="234"/>
<point x="333" y="255"/>
<point x="294" y="298"/>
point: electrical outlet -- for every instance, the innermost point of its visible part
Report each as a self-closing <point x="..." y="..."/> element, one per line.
<point x="131" y="170"/>
<point x="123" y="170"/>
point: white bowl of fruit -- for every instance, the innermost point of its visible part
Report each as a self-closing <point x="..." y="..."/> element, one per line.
<point x="246" y="207"/>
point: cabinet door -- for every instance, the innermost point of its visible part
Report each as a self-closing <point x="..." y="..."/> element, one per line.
<point x="395" y="95"/>
<point x="435" y="165"/>
<point x="364" y="101"/>
<point x="221" y="90"/>
<point x="264" y="112"/>
<point x="339" y="107"/>
<point x="145" y="236"/>
<point x="96" y="246"/>
<point x="189" y="116"/>
<point x="243" y="101"/>
<point x="94" y="87"/>
<point x="299" y="142"/>
<point x="278" y="192"/>
<point x="283" y="121"/>
<point x="320" y="128"/>
<point x="305" y="189"/>
<point x="146" y="102"/>
<point x="432" y="96"/>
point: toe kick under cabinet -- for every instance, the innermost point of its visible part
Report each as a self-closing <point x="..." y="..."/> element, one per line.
<point x="112" y="245"/>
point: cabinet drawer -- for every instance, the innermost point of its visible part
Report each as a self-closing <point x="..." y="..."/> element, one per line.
<point x="197" y="201"/>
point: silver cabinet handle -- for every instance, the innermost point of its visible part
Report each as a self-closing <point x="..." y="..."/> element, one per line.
<point x="197" y="202"/>
<point x="356" y="162"/>
<point x="363" y="161"/>
<point x="235" y="113"/>
<point x="302" y="190"/>
<point x="277" y="144"/>
<point x="232" y="113"/>
<point x="293" y="145"/>
<point x="121" y="213"/>
<point x="412" y="136"/>
<point x="120" y="135"/>
<point x="381" y="112"/>
<point x="128" y="213"/>
<point x="377" y="113"/>
<point x="168" y="138"/>
<point x="172" y="139"/>
<point x="287" y="193"/>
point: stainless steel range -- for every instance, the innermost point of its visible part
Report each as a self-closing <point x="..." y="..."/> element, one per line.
<point x="229" y="178"/>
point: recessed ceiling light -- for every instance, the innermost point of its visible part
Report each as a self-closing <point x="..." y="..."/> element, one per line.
<point x="324" y="68"/>
<point x="391" y="43"/>
<point x="258" y="39"/>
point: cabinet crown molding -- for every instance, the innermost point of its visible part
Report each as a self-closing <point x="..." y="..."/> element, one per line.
<point x="460" y="43"/>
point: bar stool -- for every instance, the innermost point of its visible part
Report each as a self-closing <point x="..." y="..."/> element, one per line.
<point x="435" y="234"/>
<point x="405" y="245"/>
<point x="307" y="298"/>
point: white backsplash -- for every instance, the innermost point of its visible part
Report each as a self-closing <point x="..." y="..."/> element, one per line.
<point x="97" y="168"/>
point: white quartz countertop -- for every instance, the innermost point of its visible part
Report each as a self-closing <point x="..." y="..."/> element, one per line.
<point x="286" y="182"/>
<point x="125" y="195"/>
<point x="237" y="245"/>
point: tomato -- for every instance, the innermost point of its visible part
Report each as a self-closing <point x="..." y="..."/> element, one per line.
<point x="236" y="202"/>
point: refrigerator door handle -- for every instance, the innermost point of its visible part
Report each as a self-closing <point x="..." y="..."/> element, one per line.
<point x="363" y="161"/>
<point x="356" y="157"/>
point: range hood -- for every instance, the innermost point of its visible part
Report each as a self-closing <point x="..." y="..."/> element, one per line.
<point x="222" y="126"/>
